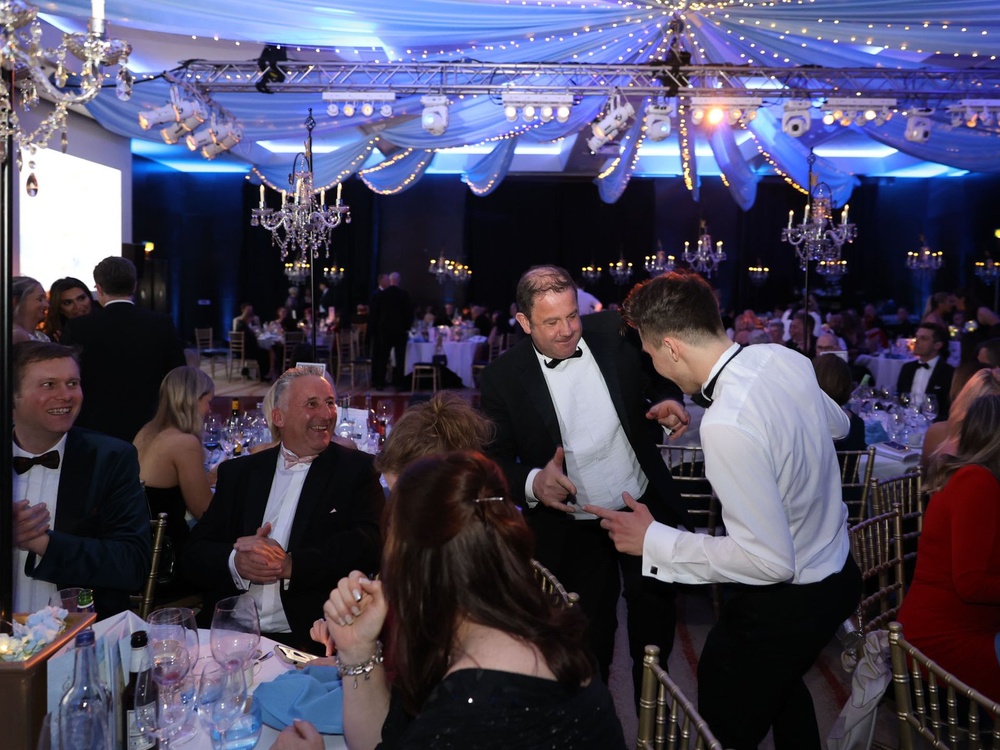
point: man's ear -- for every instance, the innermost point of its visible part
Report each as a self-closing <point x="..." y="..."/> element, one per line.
<point x="523" y="320"/>
<point x="277" y="417"/>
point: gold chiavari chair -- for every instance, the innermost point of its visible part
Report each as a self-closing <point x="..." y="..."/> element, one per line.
<point x="907" y="491"/>
<point x="144" y="605"/>
<point x="238" y="356"/>
<point x="551" y="585"/>
<point x="856" y="482"/>
<point x="934" y="705"/>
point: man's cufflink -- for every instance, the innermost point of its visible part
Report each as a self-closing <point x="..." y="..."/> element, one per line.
<point x="653" y="570"/>
<point x="667" y="431"/>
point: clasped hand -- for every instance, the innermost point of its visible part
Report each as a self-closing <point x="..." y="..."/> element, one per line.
<point x="31" y="526"/>
<point x="353" y="616"/>
<point x="260" y="559"/>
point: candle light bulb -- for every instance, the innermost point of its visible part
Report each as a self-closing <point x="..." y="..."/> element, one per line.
<point x="791" y="218"/>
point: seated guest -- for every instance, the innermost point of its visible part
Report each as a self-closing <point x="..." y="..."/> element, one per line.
<point x="942" y="437"/>
<point x="759" y="336"/>
<point x="482" y="657"/>
<point x="281" y="323"/>
<point x="445" y="423"/>
<point x="80" y="518"/>
<point x="989" y="352"/>
<point x="68" y="298"/>
<point x="264" y="358"/>
<point x="287" y="523"/>
<point x="829" y="343"/>
<point x="801" y="339"/>
<point x="834" y="377"/>
<point x="938" y="309"/>
<point x="267" y="406"/>
<point x="29" y="307"/>
<point x="247" y="316"/>
<point x="930" y="374"/>
<point x="171" y="454"/>
<point x="952" y="609"/>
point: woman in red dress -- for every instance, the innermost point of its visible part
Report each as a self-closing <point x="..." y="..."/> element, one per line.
<point x="952" y="610"/>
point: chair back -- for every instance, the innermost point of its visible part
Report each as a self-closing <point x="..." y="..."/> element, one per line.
<point x="687" y="465"/>
<point x="292" y="341"/>
<point x="158" y="526"/>
<point x="856" y="482"/>
<point x="551" y="585"/>
<point x="667" y="717"/>
<point x="936" y="706"/>
<point x="907" y="491"/>
<point x="236" y="344"/>
<point x="877" y="547"/>
<point x="203" y="339"/>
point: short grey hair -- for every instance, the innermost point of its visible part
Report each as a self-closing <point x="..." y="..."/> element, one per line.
<point x="282" y="384"/>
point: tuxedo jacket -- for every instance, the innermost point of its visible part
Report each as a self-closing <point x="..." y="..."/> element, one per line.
<point x="101" y="539"/>
<point x="335" y="529"/>
<point x="938" y="385"/>
<point x="515" y="396"/>
<point x="124" y="353"/>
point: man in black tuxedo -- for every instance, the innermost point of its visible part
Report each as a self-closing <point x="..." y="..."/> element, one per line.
<point x="124" y="354"/>
<point x="390" y="318"/>
<point x="576" y="406"/>
<point x="80" y="516"/>
<point x="287" y="523"/>
<point x="930" y="374"/>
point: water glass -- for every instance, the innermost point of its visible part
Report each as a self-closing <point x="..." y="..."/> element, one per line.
<point x="235" y="630"/>
<point x="220" y="701"/>
<point x="243" y="733"/>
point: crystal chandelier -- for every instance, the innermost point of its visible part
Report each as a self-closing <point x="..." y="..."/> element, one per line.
<point x="758" y="274"/>
<point x="832" y="269"/>
<point x="817" y="238"/>
<point x="620" y="271"/>
<point x="591" y="274"/>
<point x="27" y="65"/>
<point x="334" y="274"/>
<point x="988" y="270"/>
<point x="924" y="261"/>
<point x="659" y="263"/>
<point x="444" y="268"/>
<point x="304" y="224"/>
<point x="706" y="257"/>
<point x="297" y="271"/>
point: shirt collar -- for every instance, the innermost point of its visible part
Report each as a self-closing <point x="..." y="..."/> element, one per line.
<point x="59" y="447"/>
<point x="719" y="364"/>
<point x="542" y="359"/>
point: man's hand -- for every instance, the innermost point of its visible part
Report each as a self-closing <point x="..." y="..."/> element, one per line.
<point x="551" y="485"/>
<point x="672" y="415"/>
<point x="31" y="526"/>
<point x="627" y="530"/>
<point x="259" y="558"/>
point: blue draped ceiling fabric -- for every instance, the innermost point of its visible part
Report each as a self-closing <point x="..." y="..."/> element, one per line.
<point x="850" y="34"/>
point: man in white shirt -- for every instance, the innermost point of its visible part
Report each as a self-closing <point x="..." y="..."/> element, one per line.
<point x="930" y="374"/>
<point x="287" y="523"/>
<point x="80" y="516"/>
<point x="770" y="458"/>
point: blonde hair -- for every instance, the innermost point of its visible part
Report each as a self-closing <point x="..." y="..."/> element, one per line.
<point x="445" y="423"/>
<point x="978" y="443"/>
<point x="983" y="383"/>
<point x="180" y="392"/>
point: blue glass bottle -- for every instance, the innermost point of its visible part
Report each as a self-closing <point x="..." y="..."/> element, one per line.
<point x="84" y="711"/>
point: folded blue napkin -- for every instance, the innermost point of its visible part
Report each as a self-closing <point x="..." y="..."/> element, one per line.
<point x="875" y="433"/>
<point x="312" y="693"/>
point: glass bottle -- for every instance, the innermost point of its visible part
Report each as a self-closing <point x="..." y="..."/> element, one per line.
<point x="84" y="711"/>
<point x="130" y="733"/>
<point x="85" y="602"/>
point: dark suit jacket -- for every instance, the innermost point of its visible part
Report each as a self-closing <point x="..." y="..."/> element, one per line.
<point x="390" y="314"/>
<point x="516" y="398"/>
<point x="101" y="538"/>
<point x="335" y="529"/>
<point x="124" y="353"/>
<point x="939" y="384"/>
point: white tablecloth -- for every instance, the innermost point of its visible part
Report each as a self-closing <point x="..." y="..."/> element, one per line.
<point x="460" y="357"/>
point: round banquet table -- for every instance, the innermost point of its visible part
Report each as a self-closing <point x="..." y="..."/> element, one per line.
<point x="460" y="356"/>
<point x="265" y="671"/>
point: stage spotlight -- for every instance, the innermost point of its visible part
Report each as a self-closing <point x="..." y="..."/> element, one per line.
<point x="224" y="138"/>
<point x="528" y="112"/>
<point x="385" y="110"/>
<point x="200" y="139"/>
<point x="796" y="119"/>
<point x="349" y="109"/>
<point x="562" y="113"/>
<point x="658" y="121"/>
<point x="918" y="126"/>
<point x="333" y="109"/>
<point x="618" y="113"/>
<point x="829" y="118"/>
<point x="435" y="115"/>
<point x="367" y="109"/>
<point x="267" y="64"/>
<point x="715" y="115"/>
<point x="545" y="113"/>
<point x="510" y="112"/>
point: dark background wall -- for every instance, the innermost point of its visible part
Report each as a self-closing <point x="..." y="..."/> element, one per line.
<point x="215" y="259"/>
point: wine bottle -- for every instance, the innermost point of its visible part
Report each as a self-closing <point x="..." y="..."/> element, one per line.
<point x="85" y="602"/>
<point x="131" y="735"/>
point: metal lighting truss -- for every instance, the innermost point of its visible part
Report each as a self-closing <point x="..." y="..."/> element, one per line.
<point x="925" y="88"/>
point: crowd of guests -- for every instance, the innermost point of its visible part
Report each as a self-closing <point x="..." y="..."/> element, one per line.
<point x="429" y="590"/>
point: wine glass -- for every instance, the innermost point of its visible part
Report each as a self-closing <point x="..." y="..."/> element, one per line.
<point x="930" y="407"/>
<point x="163" y="689"/>
<point x="221" y="698"/>
<point x="235" y="630"/>
<point x="184" y="617"/>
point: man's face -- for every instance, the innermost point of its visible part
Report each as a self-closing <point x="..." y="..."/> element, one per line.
<point x="47" y="403"/>
<point x="308" y="418"/>
<point x="827" y="343"/>
<point x="795" y="329"/>
<point x="777" y="332"/>
<point x="925" y="347"/>
<point x="74" y="302"/>
<point x="554" y="325"/>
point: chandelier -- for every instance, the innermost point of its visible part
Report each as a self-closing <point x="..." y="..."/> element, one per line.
<point x="303" y="225"/>
<point x="297" y="271"/>
<point x="706" y="257"/>
<point x="924" y="261"/>
<point x="591" y="274"/>
<point x="758" y="274"/>
<point x="334" y="274"/>
<point x="832" y="269"/>
<point x="659" y="263"/>
<point x="620" y="271"/>
<point x="988" y="270"/>
<point x="444" y="268"/>
<point x="817" y="238"/>
<point x="22" y="54"/>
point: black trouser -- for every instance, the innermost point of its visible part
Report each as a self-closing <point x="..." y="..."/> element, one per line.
<point x="751" y="668"/>
<point x="584" y="559"/>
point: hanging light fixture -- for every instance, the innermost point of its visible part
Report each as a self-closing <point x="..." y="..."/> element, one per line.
<point x="660" y="262"/>
<point x="817" y="238"/>
<point x="297" y="271"/>
<point x="334" y="274"/>
<point x="621" y="271"/>
<point x="706" y="257"/>
<point x="758" y="274"/>
<point x="444" y="268"/>
<point x="924" y="261"/>
<point x="304" y="224"/>
<point x="591" y="274"/>
<point x="22" y="52"/>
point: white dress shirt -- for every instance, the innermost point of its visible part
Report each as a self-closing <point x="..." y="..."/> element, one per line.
<point x="770" y="459"/>
<point x="921" y="377"/>
<point x="38" y="485"/>
<point x="599" y="459"/>
<point x="282" y="503"/>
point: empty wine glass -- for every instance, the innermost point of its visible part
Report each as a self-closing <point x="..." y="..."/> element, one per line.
<point x="184" y="617"/>
<point x="930" y="407"/>
<point x="221" y="698"/>
<point x="163" y="693"/>
<point x="235" y="630"/>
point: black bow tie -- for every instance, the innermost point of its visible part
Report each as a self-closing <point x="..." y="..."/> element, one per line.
<point x="551" y="363"/>
<point x="49" y="460"/>
<point x="923" y="366"/>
